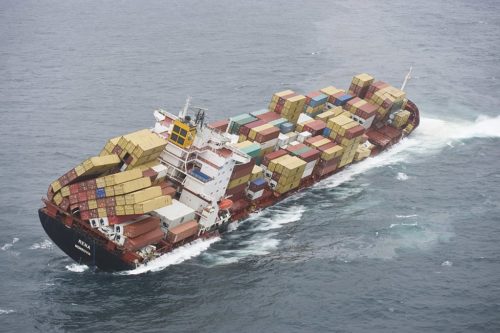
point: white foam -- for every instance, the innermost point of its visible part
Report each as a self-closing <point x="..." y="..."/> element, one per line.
<point x="2" y="311"/>
<point x="77" y="268"/>
<point x="393" y="225"/>
<point x="406" y="216"/>
<point x="7" y="246"/>
<point x="430" y="137"/>
<point x="175" y="257"/>
<point x="402" y="176"/>
<point x="447" y="263"/>
<point x="46" y="244"/>
<point x="280" y="217"/>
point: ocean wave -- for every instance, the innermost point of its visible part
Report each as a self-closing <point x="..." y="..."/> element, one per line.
<point x="429" y="138"/>
<point x="260" y="240"/>
<point x="175" y="257"/>
<point x="402" y="176"/>
<point x="46" y="244"/>
<point x="7" y="246"/>
<point x="2" y="311"/>
<point x="77" y="268"/>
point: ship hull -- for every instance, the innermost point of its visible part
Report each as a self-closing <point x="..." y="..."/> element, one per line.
<point x="80" y="246"/>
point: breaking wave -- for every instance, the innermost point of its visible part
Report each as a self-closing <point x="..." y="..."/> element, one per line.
<point x="175" y="257"/>
<point x="402" y="176"/>
<point x="77" y="268"/>
<point x="429" y="138"/>
<point x="258" y="239"/>
<point x="2" y="311"/>
<point x="46" y="244"/>
<point x="7" y="246"/>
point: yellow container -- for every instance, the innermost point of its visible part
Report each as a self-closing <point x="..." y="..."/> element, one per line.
<point x="152" y="204"/>
<point x="56" y="186"/>
<point x="109" y="191"/>
<point x="143" y="195"/>
<point x="92" y="204"/>
<point x="57" y="198"/>
<point x="101" y="212"/>
<point x="132" y="186"/>
<point x="65" y="191"/>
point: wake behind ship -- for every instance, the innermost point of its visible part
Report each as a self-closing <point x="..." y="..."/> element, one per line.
<point x="157" y="189"/>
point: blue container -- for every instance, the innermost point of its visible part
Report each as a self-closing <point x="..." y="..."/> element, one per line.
<point x="259" y="182"/>
<point x="278" y="122"/>
<point x="286" y="127"/>
<point x="343" y="99"/>
<point x="100" y="193"/>
<point x="318" y="100"/>
<point x="326" y="132"/>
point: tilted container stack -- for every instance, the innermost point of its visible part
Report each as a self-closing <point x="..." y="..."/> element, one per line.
<point x="287" y="104"/>
<point x="360" y="84"/>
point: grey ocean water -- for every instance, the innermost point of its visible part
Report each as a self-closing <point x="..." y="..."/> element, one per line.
<point x="406" y="242"/>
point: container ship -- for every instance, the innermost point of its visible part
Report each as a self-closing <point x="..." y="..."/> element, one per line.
<point x="154" y="190"/>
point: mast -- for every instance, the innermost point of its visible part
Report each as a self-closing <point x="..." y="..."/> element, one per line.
<point x="407" y="78"/>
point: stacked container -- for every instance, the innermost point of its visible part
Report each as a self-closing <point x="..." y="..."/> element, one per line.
<point x="288" y="104"/>
<point x="360" y="84"/>
<point x="286" y="173"/>
<point x="237" y="121"/>
<point x="315" y="103"/>
<point x="348" y="133"/>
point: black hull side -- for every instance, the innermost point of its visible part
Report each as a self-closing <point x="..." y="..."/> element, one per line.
<point x="80" y="246"/>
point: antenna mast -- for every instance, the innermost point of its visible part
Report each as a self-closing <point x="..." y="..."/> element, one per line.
<point x="407" y="78"/>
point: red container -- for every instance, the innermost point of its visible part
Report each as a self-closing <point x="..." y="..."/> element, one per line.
<point x="282" y="99"/>
<point x="74" y="188"/>
<point x="236" y="190"/>
<point x="220" y="125"/>
<point x="85" y="215"/>
<point x="267" y="134"/>
<point x="310" y="155"/>
<point x="315" y="127"/>
<point x="243" y="169"/>
<point x="391" y="132"/>
<point x="84" y="205"/>
<point x="366" y="111"/>
<point x="72" y="175"/>
<point x="150" y="173"/>
<point x="354" y="132"/>
<point x="120" y="219"/>
<point x="327" y="146"/>
<point x="110" y="211"/>
<point x="278" y="108"/>
<point x="110" y="202"/>
<point x="93" y="213"/>
<point x="311" y="95"/>
<point x="245" y="130"/>
<point x="269" y="116"/>
<point x="313" y="139"/>
<point x="376" y="86"/>
<point x="182" y="231"/>
<point x="169" y="190"/>
<point x="101" y="203"/>
<point x="141" y="227"/>
<point x="91" y="184"/>
<point x="152" y="237"/>
<point x="271" y="156"/>
<point x="73" y="198"/>
<point x="64" y="204"/>
<point x="82" y="186"/>
<point x="378" y="138"/>
<point x="117" y="150"/>
<point x="91" y="195"/>
<point x="351" y="102"/>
